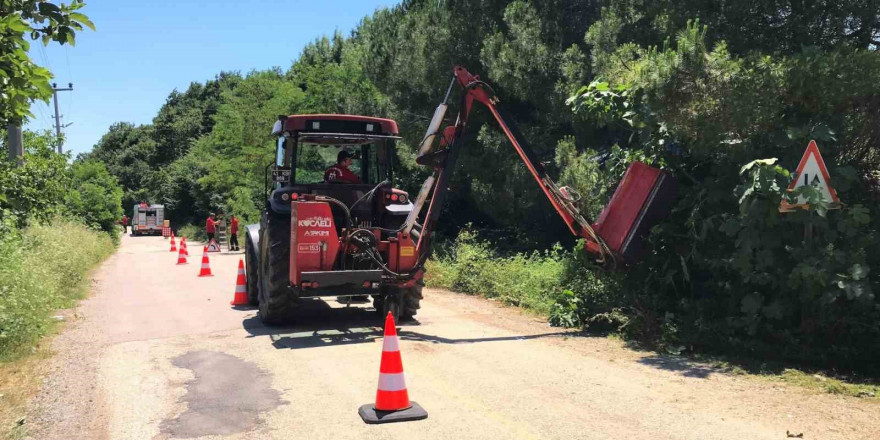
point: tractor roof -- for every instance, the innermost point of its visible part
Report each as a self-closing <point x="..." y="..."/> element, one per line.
<point x="340" y="124"/>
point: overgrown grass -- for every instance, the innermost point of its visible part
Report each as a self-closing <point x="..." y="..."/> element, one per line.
<point x="43" y="269"/>
<point x="470" y="266"/>
<point x="825" y="384"/>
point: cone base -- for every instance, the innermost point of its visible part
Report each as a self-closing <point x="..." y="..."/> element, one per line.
<point x="206" y="275"/>
<point x="371" y="416"/>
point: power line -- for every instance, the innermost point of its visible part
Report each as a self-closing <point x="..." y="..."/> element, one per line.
<point x="67" y="57"/>
<point x="44" y="117"/>
<point x="69" y="78"/>
<point x="45" y="56"/>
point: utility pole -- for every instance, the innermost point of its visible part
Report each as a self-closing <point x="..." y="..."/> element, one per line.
<point x="13" y="141"/>
<point x="55" y="91"/>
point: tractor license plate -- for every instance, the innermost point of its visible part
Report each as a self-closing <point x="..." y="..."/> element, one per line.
<point x="281" y="175"/>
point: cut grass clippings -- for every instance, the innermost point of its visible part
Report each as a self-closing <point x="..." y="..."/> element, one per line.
<point x="19" y="382"/>
<point x="816" y="380"/>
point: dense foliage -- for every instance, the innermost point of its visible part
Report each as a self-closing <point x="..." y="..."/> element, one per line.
<point x="46" y="186"/>
<point x="701" y="89"/>
<point x="727" y="269"/>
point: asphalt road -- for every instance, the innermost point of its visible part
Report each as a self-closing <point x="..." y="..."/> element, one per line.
<point x="157" y="353"/>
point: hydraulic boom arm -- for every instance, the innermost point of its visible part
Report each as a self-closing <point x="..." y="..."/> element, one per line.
<point x="443" y="161"/>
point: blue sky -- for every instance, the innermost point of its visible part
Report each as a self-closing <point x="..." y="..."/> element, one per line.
<point x="143" y="50"/>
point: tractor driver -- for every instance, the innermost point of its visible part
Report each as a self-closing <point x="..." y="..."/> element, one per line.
<point x="339" y="173"/>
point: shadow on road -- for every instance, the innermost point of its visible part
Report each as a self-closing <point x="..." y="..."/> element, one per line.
<point x="316" y="324"/>
<point x="679" y="365"/>
<point x="434" y="339"/>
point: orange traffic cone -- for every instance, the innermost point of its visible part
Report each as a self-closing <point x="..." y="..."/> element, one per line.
<point x="206" y="265"/>
<point x="392" y="399"/>
<point x="241" y="296"/>
<point x="183" y="246"/>
<point x="181" y="257"/>
<point x="174" y="246"/>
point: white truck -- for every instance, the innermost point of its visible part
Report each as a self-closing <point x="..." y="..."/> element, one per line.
<point x="147" y="219"/>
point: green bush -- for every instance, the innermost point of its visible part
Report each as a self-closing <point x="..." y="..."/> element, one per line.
<point x="43" y="269"/>
<point x="95" y="196"/>
<point x="36" y="190"/>
<point x="193" y="233"/>
<point x="45" y="186"/>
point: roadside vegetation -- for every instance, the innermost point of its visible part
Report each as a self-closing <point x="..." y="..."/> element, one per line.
<point x="57" y="222"/>
<point x="42" y="270"/>
<point x="723" y="100"/>
<point x="193" y="233"/>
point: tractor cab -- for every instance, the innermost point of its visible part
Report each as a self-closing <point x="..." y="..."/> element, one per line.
<point x="320" y="236"/>
<point x="309" y="145"/>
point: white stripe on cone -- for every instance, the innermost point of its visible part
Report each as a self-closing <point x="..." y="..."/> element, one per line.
<point x="391" y="382"/>
<point x="390" y="344"/>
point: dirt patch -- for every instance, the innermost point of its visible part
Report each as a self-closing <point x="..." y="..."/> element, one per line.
<point x="226" y="396"/>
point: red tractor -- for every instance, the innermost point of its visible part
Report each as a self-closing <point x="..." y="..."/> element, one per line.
<point x="320" y="237"/>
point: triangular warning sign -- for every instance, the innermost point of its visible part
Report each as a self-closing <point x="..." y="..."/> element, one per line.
<point x="812" y="171"/>
<point x="213" y="246"/>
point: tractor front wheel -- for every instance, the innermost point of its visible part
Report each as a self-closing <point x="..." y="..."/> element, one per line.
<point x="277" y="301"/>
<point x="251" y="272"/>
<point x="403" y="303"/>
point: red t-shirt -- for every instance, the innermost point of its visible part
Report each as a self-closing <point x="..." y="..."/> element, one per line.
<point x="233" y="226"/>
<point x="124" y="220"/>
<point x="339" y="173"/>
<point x="210" y="226"/>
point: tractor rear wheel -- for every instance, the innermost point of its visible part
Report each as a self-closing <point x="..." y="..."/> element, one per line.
<point x="277" y="301"/>
<point x="251" y="272"/>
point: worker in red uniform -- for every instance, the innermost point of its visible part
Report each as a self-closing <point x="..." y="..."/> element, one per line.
<point x="211" y="227"/>
<point x="233" y="233"/>
<point x="339" y="173"/>
<point x="124" y="224"/>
